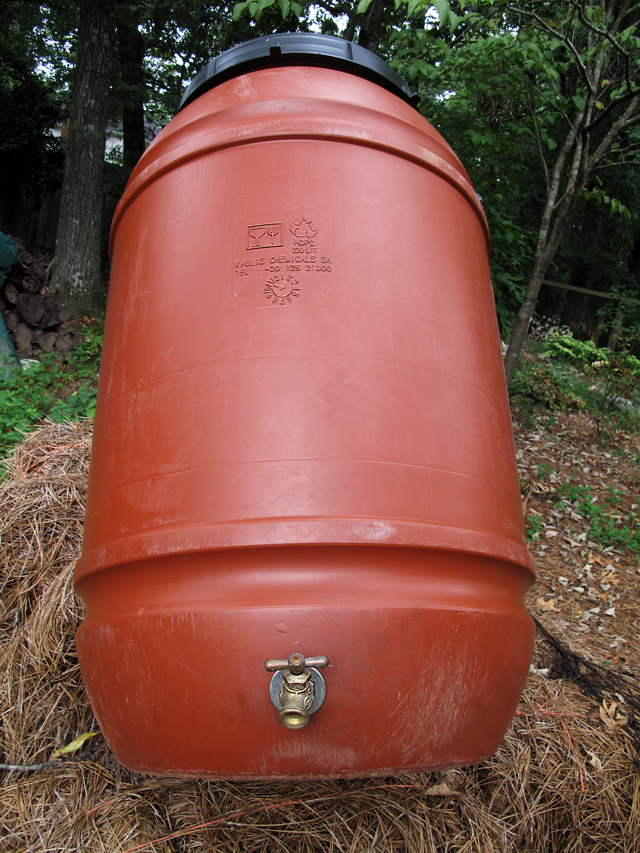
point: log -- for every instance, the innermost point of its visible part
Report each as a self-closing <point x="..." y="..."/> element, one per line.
<point x="50" y="319"/>
<point x="38" y="271"/>
<point x="11" y="320"/>
<point x="30" y="284"/>
<point x="10" y="293"/>
<point x="23" y="337"/>
<point x="31" y="308"/>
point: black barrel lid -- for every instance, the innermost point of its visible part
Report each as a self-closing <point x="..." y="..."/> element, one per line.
<point x="297" y="49"/>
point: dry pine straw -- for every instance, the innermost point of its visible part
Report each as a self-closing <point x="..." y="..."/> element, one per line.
<point x="561" y="780"/>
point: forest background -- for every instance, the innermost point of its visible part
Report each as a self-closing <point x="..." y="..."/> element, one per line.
<point x="540" y="100"/>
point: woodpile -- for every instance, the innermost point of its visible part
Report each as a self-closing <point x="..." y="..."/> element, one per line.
<point x="32" y="313"/>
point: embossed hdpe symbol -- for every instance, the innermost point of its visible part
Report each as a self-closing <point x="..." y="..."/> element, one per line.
<point x="265" y="236"/>
<point x="281" y="289"/>
<point x="303" y="227"/>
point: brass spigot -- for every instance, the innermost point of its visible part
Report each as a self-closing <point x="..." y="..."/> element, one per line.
<point x="297" y="689"/>
<point x="296" y="697"/>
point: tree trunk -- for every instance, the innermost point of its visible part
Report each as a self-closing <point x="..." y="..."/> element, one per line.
<point x="131" y="52"/>
<point x="371" y="26"/>
<point x="547" y="247"/>
<point x="76" y="272"/>
<point x="549" y="236"/>
<point x="523" y="317"/>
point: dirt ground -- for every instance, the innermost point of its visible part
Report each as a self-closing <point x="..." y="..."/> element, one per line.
<point x="564" y="779"/>
<point x="587" y="593"/>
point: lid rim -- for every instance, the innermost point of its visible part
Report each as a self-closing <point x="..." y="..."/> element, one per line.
<point x="301" y="49"/>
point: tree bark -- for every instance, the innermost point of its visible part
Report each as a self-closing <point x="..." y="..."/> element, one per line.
<point x="131" y="52"/>
<point x="371" y="26"/>
<point x="76" y="270"/>
<point x="548" y="239"/>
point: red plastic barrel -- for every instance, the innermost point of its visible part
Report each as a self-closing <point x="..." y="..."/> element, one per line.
<point x="302" y="442"/>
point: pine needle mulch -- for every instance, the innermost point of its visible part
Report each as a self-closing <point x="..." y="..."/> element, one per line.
<point x="566" y="777"/>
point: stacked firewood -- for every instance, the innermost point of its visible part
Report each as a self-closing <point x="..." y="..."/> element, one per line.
<point x="32" y="313"/>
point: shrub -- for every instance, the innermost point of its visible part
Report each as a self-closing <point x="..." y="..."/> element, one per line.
<point x="48" y="388"/>
<point x="560" y="372"/>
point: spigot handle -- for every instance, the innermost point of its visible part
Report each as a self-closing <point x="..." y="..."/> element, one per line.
<point x="273" y="665"/>
<point x="297" y="663"/>
<point x="318" y="662"/>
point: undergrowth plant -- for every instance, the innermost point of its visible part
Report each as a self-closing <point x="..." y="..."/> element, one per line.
<point x="51" y="389"/>
<point x="562" y="373"/>
<point x="608" y="526"/>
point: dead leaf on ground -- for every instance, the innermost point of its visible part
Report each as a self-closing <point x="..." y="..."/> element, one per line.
<point x="441" y="790"/>
<point x="74" y="746"/>
<point x="541" y="488"/>
<point x="594" y="761"/>
<point x="549" y="604"/>
<point x="613" y="719"/>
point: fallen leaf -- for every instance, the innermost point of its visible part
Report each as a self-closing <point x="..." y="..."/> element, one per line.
<point x="541" y="488"/>
<point x="441" y="790"/>
<point x="550" y="604"/>
<point x="613" y="719"/>
<point x="594" y="761"/>
<point x="74" y="746"/>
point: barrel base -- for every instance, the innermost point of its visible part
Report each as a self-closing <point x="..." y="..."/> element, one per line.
<point x="428" y="655"/>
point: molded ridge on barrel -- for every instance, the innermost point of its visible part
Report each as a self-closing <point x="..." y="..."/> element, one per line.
<point x="302" y="440"/>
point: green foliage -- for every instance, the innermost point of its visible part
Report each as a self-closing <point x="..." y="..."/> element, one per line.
<point x="512" y="248"/>
<point x="78" y="404"/>
<point x="621" y="313"/>
<point x="51" y="389"/>
<point x="540" y="384"/>
<point x="544" y="471"/>
<point x="607" y="527"/>
<point x="614" y="376"/>
<point x="601" y="197"/>
<point x="181" y="37"/>
<point x="569" y="374"/>
<point x="31" y="159"/>
<point x="566" y="348"/>
<point x="505" y="87"/>
<point x="533" y="525"/>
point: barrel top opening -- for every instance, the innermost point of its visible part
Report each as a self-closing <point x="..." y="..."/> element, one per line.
<point x="297" y="49"/>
